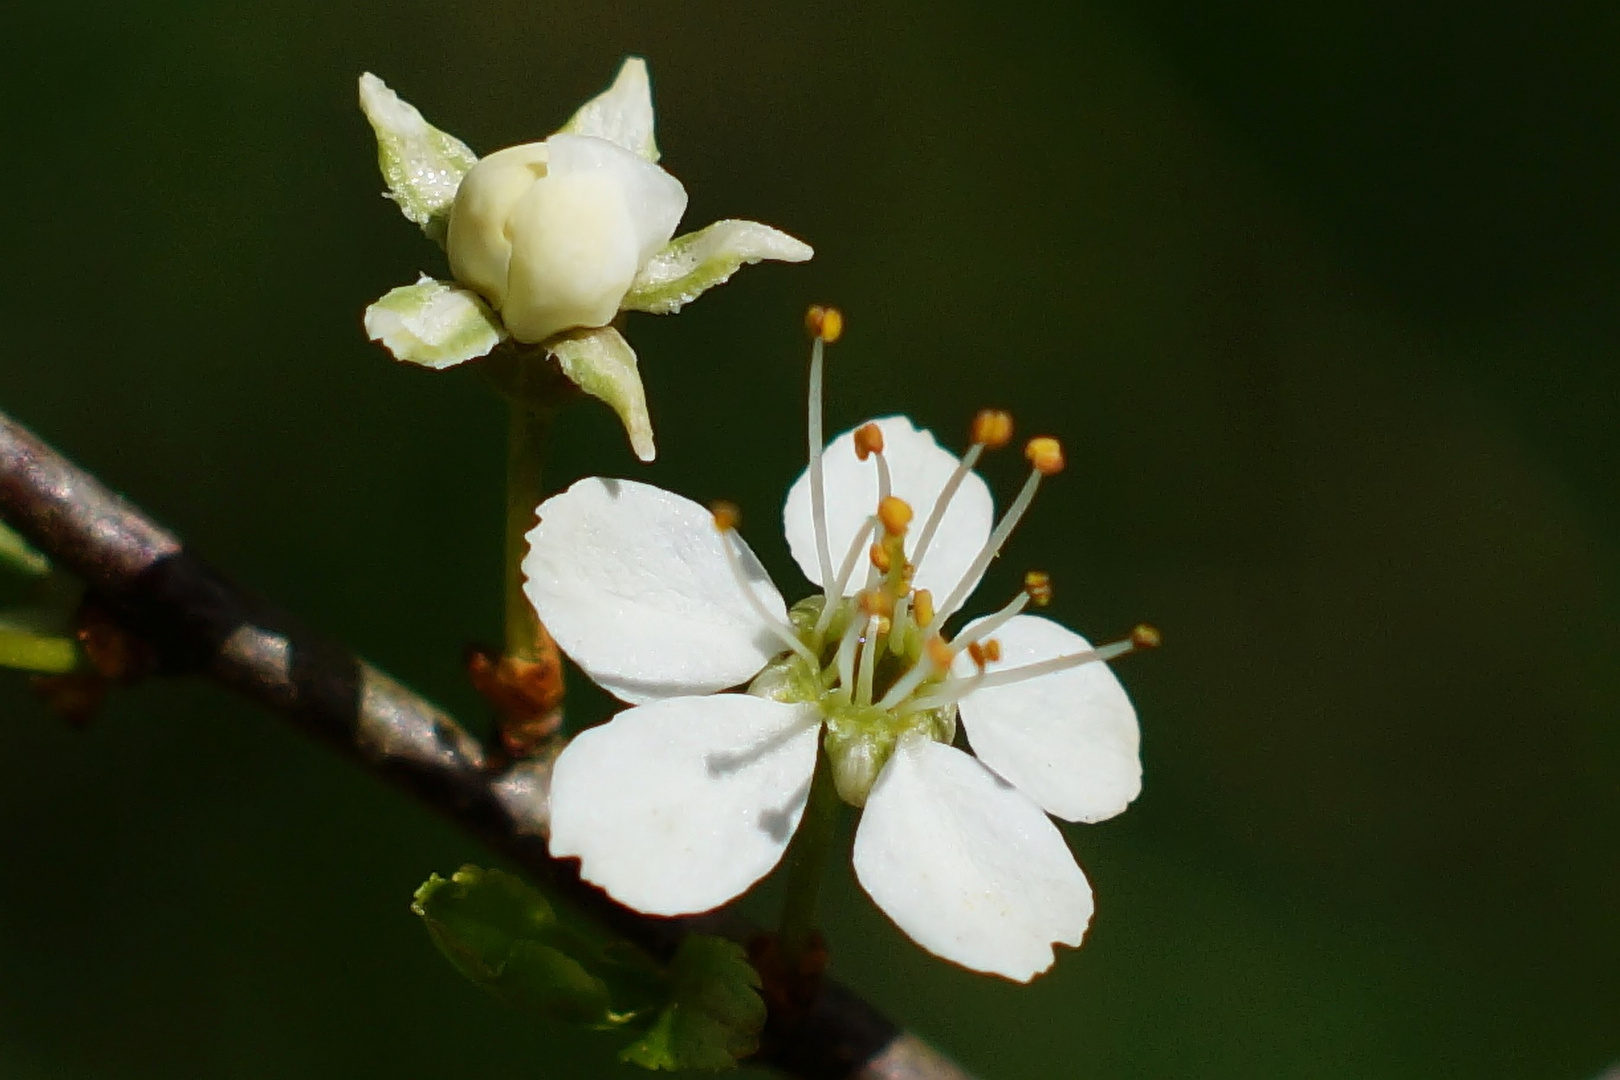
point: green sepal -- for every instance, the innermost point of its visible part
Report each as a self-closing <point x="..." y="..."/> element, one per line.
<point x="422" y="165"/>
<point x="436" y="324"/>
<point x="601" y="363"/>
<point x="690" y="265"/>
<point x="621" y="114"/>
<point x="502" y="934"/>
<point x="715" y="1017"/>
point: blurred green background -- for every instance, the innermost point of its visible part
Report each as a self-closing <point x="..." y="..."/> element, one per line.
<point x="1321" y="297"/>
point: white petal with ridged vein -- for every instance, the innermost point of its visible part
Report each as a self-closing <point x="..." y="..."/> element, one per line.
<point x="968" y="867"/>
<point x="920" y="468"/>
<point x="580" y="233"/>
<point x="479" y="242"/>
<point x="1069" y="740"/>
<point x="679" y="806"/>
<point x="633" y="583"/>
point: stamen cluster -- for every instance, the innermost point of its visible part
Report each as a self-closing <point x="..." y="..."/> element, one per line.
<point x="876" y="662"/>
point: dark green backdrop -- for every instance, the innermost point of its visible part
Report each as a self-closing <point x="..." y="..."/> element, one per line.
<point x="1322" y="298"/>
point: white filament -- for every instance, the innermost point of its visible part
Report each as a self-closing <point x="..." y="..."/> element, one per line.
<point x="954" y="690"/>
<point x="818" y="484"/>
<point x="782" y="631"/>
<point x="991" y="624"/>
<point x="857" y="548"/>
<point x="863" y="681"/>
<point x="946" y="494"/>
<point x="991" y="547"/>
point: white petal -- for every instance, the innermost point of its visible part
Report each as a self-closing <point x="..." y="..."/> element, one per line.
<point x="623" y="113"/>
<point x="920" y="468"/>
<point x="581" y="232"/>
<point x="433" y="323"/>
<point x="678" y="806"/>
<point x="654" y="199"/>
<point x="967" y="866"/>
<point x="633" y="583"/>
<point x="479" y="245"/>
<point x="1069" y="740"/>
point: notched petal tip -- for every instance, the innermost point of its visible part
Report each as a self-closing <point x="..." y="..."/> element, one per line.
<point x="968" y="867"/>
<point x="436" y="324"/>
<point x="690" y="265"/>
<point x="1068" y="739"/>
<point x="601" y="363"/>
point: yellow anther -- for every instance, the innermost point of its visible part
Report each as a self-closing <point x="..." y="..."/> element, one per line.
<point x="880" y="558"/>
<point x="868" y="441"/>
<point x="993" y="428"/>
<point x="1045" y="454"/>
<point x="826" y="323"/>
<point x="940" y="653"/>
<point x="1038" y="585"/>
<point x="985" y="652"/>
<point x="884" y="625"/>
<point x="1144" y="636"/>
<point x="922" y="603"/>
<point x="876" y="602"/>
<point x="895" y="514"/>
<point x="726" y="515"/>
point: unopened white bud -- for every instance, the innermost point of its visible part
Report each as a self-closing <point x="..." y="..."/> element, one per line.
<point x="553" y="233"/>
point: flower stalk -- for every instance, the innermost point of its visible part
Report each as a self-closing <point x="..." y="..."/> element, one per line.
<point x="528" y="429"/>
<point x="807" y="867"/>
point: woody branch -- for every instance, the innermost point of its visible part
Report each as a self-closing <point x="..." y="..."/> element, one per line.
<point x="197" y="622"/>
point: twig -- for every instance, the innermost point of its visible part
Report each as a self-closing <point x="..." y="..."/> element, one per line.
<point x="198" y="622"/>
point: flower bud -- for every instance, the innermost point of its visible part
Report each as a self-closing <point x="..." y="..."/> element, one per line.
<point x="553" y="233"/>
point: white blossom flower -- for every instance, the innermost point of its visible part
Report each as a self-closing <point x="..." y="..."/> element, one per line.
<point x="549" y="241"/>
<point x="683" y="801"/>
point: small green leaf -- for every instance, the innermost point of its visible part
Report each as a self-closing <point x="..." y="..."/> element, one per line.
<point x="17" y="555"/>
<point x="434" y="323"/>
<point x="422" y="165"/>
<point x="716" y="1015"/>
<point x="690" y="265"/>
<point x="502" y="934"/>
<point x="601" y="363"/>
<point x="622" y="114"/>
